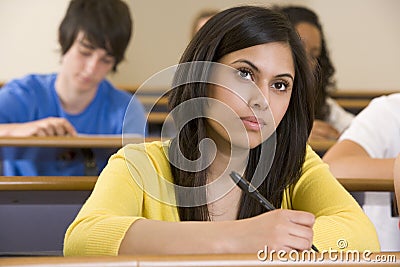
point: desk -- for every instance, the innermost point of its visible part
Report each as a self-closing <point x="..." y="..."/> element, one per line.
<point x="92" y="141"/>
<point x="321" y="145"/>
<point x="41" y="208"/>
<point x="358" y="104"/>
<point x="47" y="183"/>
<point x="86" y="183"/>
<point x="367" y="184"/>
<point x="101" y="141"/>
<point x="356" y="100"/>
<point x="375" y="259"/>
<point x="361" y="93"/>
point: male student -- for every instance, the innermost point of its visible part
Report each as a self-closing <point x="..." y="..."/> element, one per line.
<point x="78" y="99"/>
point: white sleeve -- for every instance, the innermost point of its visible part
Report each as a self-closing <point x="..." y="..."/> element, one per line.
<point x="377" y="127"/>
<point x="339" y="118"/>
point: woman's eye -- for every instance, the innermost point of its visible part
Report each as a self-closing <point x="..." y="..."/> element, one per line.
<point x="280" y="86"/>
<point x="245" y="74"/>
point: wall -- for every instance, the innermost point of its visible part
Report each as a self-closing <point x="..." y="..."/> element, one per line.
<point x="363" y="37"/>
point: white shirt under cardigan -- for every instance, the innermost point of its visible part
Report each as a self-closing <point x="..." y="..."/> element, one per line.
<point x="377" y="130"/>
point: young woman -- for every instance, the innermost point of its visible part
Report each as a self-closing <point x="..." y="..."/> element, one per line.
<point x="330" y="119"/>
<point x="176" y="197"/>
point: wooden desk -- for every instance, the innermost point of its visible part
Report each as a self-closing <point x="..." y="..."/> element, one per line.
<point x="367" y="184"/>
<point x="157" y="117"/>
<point x="47" y="183"/>
<point x="151" y="100"/>
<point x="321" y="145"/>
<point x="95" y="141"/>
<point x="86" y="183"/>
<point x="361" y="93"/>
<point x="353" y="103"/>
<point x="375" y="259"/>
<point x="356" y="100"/>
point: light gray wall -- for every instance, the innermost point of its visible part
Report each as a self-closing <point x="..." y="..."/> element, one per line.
<point x="363" y="37"/>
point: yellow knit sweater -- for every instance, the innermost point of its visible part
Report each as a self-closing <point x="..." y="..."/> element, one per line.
<point x="137" y="183"/>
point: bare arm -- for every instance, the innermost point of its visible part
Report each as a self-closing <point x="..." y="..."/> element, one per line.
<point x="279" y="229"/>
<point x="348" y="159"/>
<point x="45" y="127"/>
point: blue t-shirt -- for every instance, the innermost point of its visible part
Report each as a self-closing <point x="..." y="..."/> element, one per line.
<point x="34" y="97"/>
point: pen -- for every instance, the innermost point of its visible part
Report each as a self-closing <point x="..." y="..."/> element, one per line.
<point x="249" y="189"/>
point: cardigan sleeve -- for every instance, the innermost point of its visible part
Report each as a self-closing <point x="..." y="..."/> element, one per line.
<point x="340" y="221"/>
<point x="113" y="206"/>
<point x="126" y="190"/>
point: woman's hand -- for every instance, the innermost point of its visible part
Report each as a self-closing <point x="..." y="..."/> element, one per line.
<point x="278" y="230"/>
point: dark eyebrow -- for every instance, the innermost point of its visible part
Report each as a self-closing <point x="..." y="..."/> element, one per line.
<point x="248" y="63"/>
<point x="256" y="69"/>
<point x="285" y="75"/>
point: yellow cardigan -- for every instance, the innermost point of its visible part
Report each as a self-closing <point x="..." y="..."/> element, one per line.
<point x="137" y="183"/>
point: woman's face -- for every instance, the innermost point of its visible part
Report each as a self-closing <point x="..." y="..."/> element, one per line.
<point x="312" y="40"/>
<point x="249" y="98"/>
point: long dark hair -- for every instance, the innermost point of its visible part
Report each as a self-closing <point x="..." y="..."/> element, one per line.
<point x="325" y="69"/>
<point x="228" y="31"/>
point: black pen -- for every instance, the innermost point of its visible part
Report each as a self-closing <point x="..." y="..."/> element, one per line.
<point x="249" y="189"/>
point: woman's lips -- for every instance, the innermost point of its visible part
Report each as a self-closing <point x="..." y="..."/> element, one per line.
<point x="252" y="123"/>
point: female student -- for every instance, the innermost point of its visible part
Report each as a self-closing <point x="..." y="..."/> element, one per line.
<point x="330" y="119"/>
<point x="176" y="197"/>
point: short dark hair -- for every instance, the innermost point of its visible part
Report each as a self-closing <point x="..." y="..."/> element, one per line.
<point x="228" y="31"/>
<point x="107" y="24"/>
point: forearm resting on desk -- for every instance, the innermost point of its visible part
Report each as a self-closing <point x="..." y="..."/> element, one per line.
<point x="278" y="229"/>
<point x="348" y="159"/>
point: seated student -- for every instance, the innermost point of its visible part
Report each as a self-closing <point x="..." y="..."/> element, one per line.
<point x="330" y="119"/>
<point x="78" y="99"/>
<point x="242" y="95"/>
<point x="368" y="149"/>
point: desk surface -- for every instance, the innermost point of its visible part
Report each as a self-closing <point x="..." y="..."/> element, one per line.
<point x="374" y="259"/>
<point x="86" y="183"/>
<point x="102" y="141"/>
<point x="112" y="141"/>
<point x="321" y="145"/>
<point x="92" y="141"/>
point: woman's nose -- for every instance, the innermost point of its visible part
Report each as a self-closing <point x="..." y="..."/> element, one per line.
<point x="259" y="100"/>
